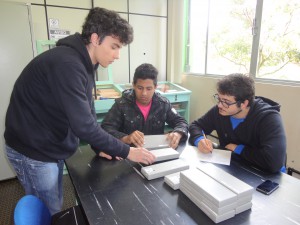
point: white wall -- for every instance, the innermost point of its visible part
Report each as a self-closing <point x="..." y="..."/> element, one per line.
<point x="148" y="18"/>
<point x="16" y="51"/>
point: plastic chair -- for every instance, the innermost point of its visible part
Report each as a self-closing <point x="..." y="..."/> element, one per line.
<point x="30" y="210"/>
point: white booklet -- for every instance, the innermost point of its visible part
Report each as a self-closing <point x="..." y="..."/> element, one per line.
<point x="165" y="168"/>
<point x="165" y="154"/>
<point x="192" y="155"/>
<point x="156" y="141"/>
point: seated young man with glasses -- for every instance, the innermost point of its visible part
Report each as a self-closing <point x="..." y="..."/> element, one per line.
<point x="247" y="125"/>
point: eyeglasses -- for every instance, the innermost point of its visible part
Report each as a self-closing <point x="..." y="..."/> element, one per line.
<point x="224" y="103"/>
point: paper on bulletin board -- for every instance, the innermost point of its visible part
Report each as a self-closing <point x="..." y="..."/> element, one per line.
<point x="192" y="155"/>
<point x="56" y="34"/>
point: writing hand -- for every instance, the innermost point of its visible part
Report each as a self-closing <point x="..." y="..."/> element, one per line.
<point x="205" y="146"/>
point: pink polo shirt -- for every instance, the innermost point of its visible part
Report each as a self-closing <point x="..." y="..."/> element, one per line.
<point x="144" y="109"/>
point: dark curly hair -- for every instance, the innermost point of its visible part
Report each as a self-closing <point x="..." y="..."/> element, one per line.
<point x="106" y="23"/>
<point x="145" y="71"/>
<point x="238" y="85"/>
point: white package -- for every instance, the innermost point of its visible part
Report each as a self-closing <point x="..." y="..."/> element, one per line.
<point x="163" y="169"/>
<point x="234" y="184"/>
<point x="215" y="192"/>
<point x="165" y="154"/>
<point x="173" y="180"/>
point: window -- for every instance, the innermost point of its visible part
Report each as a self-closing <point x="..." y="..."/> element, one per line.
<point x="279" y="46"/>
<point x="260" y="38"/>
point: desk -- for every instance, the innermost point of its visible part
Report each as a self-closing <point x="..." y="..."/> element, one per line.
<point x="114" y="192"/>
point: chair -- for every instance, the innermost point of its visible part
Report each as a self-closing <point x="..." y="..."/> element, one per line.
<point x="30" y="210"/>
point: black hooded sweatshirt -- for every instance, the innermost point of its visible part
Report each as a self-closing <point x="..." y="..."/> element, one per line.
<point x="262" y="133"/>
<point x="51" y="106"/>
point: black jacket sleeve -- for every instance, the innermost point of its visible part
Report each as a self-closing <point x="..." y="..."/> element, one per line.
<point x="113" y="121"/>
<point x="71" y="94"/>
<point x="177" y="122"/>
<point x="205" y="123"/>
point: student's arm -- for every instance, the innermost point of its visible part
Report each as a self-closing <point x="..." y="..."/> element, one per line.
<point x="174" y="139"/>
<point x="136" y="138"/>
<point x="178" y="123"/>
<point x="205" y="123"/>
<point x="75" y="106"/>
<point x="135" y="154"/>
<point x="111" y="124"/>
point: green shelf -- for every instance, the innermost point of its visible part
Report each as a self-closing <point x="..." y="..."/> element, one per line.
<point x="176" y="94"/>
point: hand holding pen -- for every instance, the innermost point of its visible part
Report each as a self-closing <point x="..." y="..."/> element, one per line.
<point x="205" y="144"/>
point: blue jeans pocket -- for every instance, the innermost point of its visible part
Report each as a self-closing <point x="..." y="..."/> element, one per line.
<point x="15" y="160"/>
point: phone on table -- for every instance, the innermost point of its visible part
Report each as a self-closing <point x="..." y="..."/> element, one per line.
<point x="267" y="187"/>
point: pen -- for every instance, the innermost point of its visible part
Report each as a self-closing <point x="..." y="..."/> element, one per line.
<point x="205" y="139"/>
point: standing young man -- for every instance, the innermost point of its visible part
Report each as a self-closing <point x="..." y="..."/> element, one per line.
<point x="247" y="125"/>
<point x="141" y="111"/>
<point x="51" y="107"/>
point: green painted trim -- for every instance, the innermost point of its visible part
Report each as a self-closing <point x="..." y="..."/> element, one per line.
<point x="41" y="43"/>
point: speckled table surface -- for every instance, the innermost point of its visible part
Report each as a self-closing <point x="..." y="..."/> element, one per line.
<point x="115" y="192"/>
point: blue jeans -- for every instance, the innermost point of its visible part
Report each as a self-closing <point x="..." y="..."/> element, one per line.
<point x="42" y="179"/>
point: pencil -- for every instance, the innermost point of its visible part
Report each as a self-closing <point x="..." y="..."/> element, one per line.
<point x="205" y="139"/>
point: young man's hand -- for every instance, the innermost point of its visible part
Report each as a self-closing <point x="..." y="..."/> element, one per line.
<point x="136" y="138"/>
<point x="205" y="146"/>
<point x="231" y="147"/>
<point x="141" y="155"/>
<point x="109" y="157"/>
<point x="174" y="139"/>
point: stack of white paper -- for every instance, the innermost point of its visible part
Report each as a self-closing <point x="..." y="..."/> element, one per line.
<point x="165" y="154"/>
<point x="241" y="189"/>
<point x="215" y="199"/>
<point x="155" y="141"/>
<point x="163" y="169"/>
<point x="173" y="180"/>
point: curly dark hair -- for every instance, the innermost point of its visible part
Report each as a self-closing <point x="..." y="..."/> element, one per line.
<point x="106" y="23"/>
<point x="145" y="71"/>
<point x="238" y="85"/>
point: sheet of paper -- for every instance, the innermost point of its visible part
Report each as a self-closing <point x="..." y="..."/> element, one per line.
<point x="192" y="155"/>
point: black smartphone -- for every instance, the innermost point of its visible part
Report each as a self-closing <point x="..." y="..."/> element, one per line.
<point x="267" y="187"/>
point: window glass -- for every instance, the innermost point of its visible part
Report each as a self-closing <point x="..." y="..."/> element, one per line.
<point x="197" y="36"/>
<point x="279" y="46"/>
<point x="220" y="38"/>
<point x="230" y="36"/>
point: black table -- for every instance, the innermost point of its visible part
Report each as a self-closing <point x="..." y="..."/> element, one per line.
<point x="115" y="192"/>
